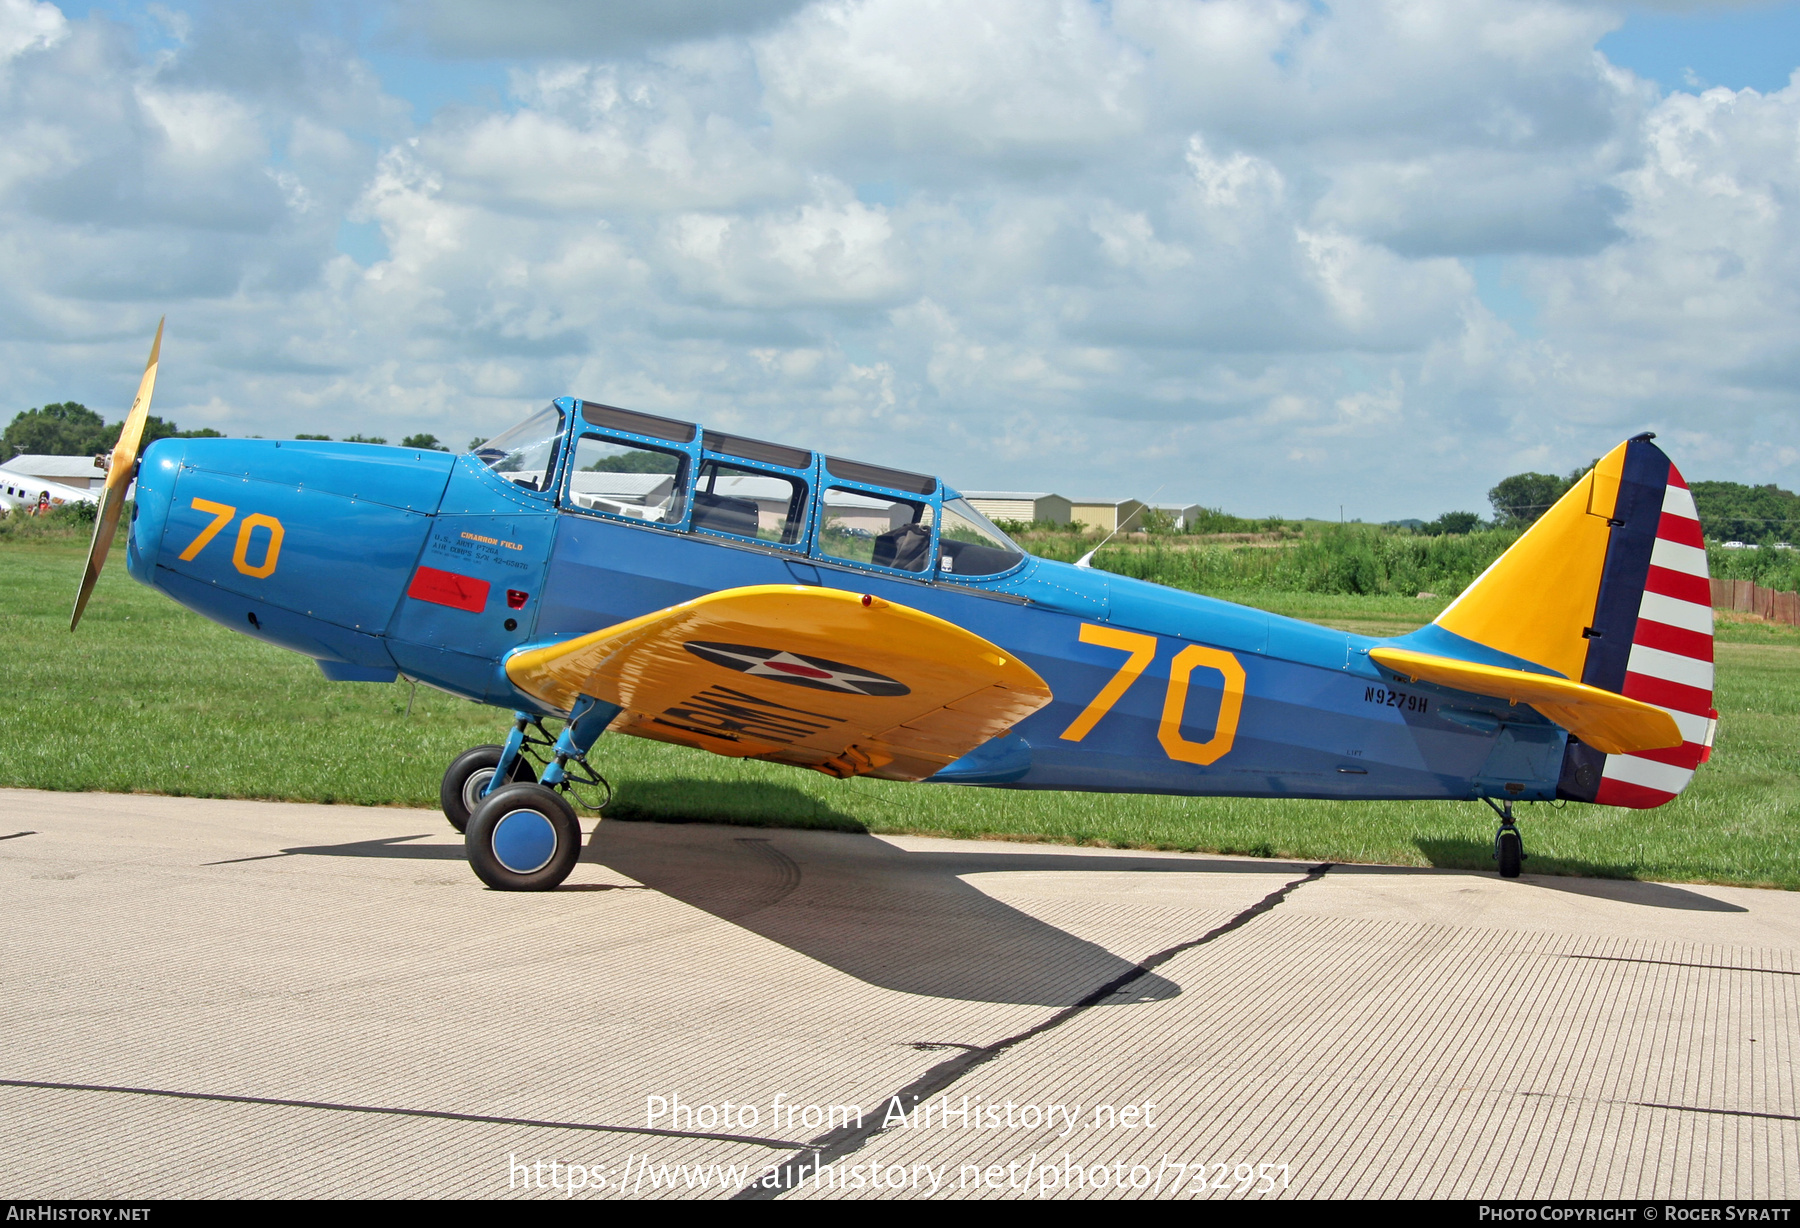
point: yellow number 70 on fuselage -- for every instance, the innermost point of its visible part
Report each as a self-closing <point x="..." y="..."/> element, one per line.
<point x="222" y="514"/>
<point x="1168" y="730"/>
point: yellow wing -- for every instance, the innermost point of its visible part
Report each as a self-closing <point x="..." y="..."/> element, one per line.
<point x="1607" y="722"/>
<point x="846" y="684"/>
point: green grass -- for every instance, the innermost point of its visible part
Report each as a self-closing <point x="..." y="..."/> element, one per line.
<point x="1360" y="559"/>
<point x="147" y="697"/>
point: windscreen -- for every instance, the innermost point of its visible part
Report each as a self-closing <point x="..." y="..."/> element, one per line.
<point x="527" y="452"/>
<point x="970" y="545"/>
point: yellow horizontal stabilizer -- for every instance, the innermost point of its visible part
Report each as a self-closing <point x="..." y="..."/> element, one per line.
<point x="845" y="684"/>
<point x="1605" y="721"/>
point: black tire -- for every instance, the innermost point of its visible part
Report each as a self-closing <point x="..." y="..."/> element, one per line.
<point x="524" y="837"/>
<point x="1509" y="850"/>
<point x="469" y="772"/>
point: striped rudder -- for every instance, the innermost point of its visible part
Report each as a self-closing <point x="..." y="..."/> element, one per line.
<point x="1651" y="638"/>
<point x="1608" y="588"/>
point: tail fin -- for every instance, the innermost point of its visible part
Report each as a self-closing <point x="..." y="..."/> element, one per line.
<point x="1610" y="588"/>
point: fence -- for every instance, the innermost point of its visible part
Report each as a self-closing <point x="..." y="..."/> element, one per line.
<point x="1769" y="603"/>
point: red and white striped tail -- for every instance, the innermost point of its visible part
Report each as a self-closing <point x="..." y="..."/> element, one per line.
<point x="1671" y="660"/>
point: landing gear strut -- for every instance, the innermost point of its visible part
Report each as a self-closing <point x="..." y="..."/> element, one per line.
<point x="524" y="836"/>
<point x="1509" y="848"/>
<point x="471" y="774"/>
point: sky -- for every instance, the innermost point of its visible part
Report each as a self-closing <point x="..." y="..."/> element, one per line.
<point x="1275" y="257"/>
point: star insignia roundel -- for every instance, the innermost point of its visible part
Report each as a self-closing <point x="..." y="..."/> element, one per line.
<point x="791" y="667"/>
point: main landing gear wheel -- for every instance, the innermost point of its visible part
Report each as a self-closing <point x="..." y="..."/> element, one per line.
<point x="460" y="792"/>
<point x="523" y="837"/>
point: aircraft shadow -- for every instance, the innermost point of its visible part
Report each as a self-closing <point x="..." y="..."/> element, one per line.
<point x="908" y="921"/>
<point x="1601" y="882"/>
<point x="387" y="846"/>
<point x="741" y="803"/>
<point x="901" y="920"/>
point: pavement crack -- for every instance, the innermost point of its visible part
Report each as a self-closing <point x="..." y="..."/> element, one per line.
<point x="1694" y="1108"/>
<point x="834" y="1145"/>
<point x="392" y="1111"/>
<point x="1678" y="963"/>
<point x="1657" y="1104"/>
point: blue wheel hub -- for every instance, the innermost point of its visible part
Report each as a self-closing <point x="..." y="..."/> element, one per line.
<point x="524" y="841"/>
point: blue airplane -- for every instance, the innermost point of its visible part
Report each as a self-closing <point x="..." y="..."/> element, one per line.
<point x="628" y="572"/>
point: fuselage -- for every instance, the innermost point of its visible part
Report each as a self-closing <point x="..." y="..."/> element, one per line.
<point x="20" y="492"/>
<point x="380" y="561"/>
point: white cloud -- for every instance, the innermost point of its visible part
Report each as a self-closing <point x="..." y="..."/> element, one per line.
<point x="28" y="25"/>
<point x="1214" y="246"/>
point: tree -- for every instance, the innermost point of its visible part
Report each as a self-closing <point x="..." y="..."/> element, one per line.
<point x="66" y="428"/>
<point x="364" y="439"/>
<point x="477" y="442"/>
<point x="1452" y="523"/>
<point x="1731" y="511"/>
<point x="69" y="428"/>
<point x="1524" y="497"/>
<point x="636" y="461"/>
<point x="324" y="438"/>
<point x="428" y="443"/>
<point x="1155" y="521"/>
<point x="155" y="428"/>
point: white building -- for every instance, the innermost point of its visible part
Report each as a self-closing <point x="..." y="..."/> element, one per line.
<point x="1181" y="514"/>
<point x="76" y="471"/>
<point x="870" y="514"/>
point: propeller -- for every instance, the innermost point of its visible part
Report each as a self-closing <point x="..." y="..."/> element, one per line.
<point x="118" y="479"/>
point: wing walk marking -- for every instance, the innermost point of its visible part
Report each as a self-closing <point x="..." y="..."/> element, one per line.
<point x="722" y="712"/>
<point x="1142" y="649"/>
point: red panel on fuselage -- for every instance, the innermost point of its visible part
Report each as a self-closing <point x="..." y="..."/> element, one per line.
<point x="448" y="588"/>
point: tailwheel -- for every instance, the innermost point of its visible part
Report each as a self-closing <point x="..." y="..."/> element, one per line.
<point x="523" y="837"/>
<point x="468" y="777"/>
<point x="1509" y="846"/>
<point x="1509" y="851"/>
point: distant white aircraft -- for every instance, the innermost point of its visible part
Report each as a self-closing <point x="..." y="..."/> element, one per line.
<point x="22" y="492"/>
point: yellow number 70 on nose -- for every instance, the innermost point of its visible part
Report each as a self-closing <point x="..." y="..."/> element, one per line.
<point x="222" y="514"/>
